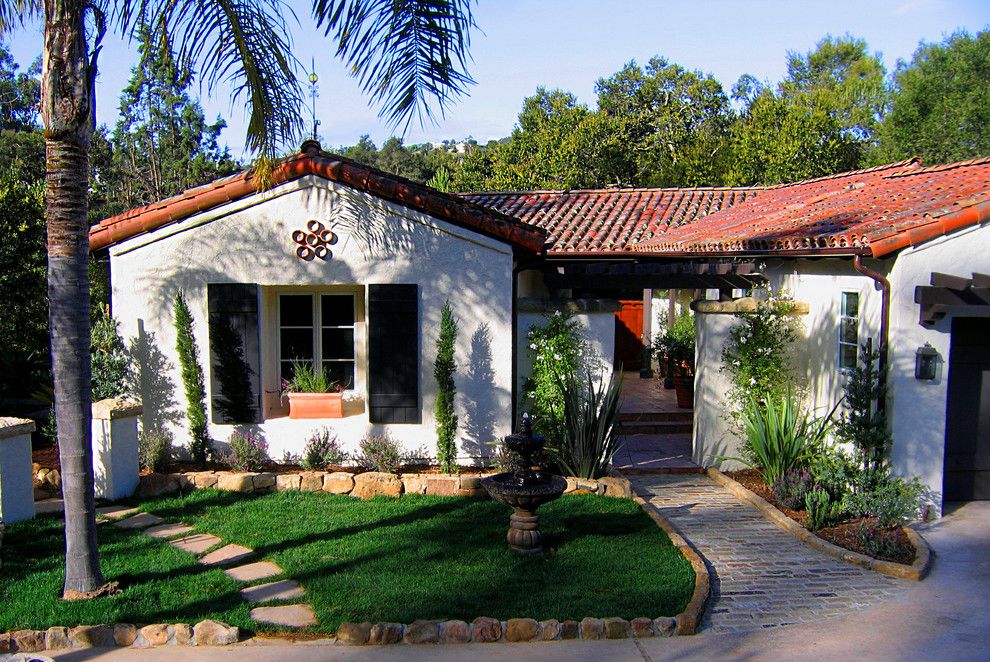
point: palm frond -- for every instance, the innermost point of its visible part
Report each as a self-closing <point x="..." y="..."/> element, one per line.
<point x="406" y="54"/>
<point x="243" y="43"/>
<point x="14" y="13"/>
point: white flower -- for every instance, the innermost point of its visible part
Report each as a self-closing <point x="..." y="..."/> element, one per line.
<point x="736" y="363"/>
<point x="532" y="345"/>
<point x="752" y="381"/>
<point x="557" y="357"/>
<point x="556" y="313"/>
<point x="742" y="339"/>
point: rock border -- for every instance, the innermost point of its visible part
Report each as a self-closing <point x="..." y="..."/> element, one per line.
<point x="120" y="635"/>
<point x="915" y="572"/>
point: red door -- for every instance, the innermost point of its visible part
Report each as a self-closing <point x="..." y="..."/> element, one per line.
<point x="629" y="335"/>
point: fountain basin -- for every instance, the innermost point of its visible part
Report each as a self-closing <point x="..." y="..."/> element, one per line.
<point x="524" y="525"/>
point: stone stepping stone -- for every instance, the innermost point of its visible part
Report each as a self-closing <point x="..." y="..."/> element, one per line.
<point x="139" y="521"/>
<point x="116" y="512"/>
<point x="168" y="530"/>
<point x="252" y="572"/>
<point x="196" y="544"/>
<point x="286" y="589"/>
<point x="289" y="616"/>
<point x="227" y="555"/>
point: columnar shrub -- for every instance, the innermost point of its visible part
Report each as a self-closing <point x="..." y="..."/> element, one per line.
<point x="757" y="355"/>
<point x="864" y="421"/>
<point x="109" y="358"/>
<point x="379" y="452"/>
<point x="443" y="370"/>
<point x="556" y="350"/>
<point x="322" y="450"/>
<point x="248" y="451"/>
<point x="192" y="380"/>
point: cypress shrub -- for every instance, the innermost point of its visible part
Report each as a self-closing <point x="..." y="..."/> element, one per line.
<point x="443" y="370"/>
<point x="192" y="380"/>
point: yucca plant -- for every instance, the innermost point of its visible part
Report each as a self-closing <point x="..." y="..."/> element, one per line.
<point x="309" y="379"/>
<point x="780" y="435"/>
<point x="591" y="414"/>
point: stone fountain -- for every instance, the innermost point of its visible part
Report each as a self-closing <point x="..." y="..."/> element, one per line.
<point x="525" y="490"/>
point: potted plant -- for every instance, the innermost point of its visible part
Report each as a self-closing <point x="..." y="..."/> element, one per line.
<point x="312" y="395"/>
<point x="675" y="350"/>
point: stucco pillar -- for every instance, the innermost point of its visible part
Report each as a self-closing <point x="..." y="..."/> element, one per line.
<point x="115" y="448"/>
<point x="646" y="371"/>
<point x="16" y="488"/>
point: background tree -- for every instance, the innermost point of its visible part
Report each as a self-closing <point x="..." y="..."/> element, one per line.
<point x="406" y="55"/>
<point x="443" y="370"/>
<point x="940" y="108"/>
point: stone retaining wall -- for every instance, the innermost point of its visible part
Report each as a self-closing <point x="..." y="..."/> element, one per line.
<point x="204" y="633"/>
<point x="363" y="485"/>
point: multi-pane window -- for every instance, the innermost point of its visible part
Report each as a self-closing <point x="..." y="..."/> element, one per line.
<point x="849" y="331"/>
<point x="317" y="329"/>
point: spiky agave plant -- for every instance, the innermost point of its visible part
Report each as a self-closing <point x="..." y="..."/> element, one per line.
<point x="591" y="414"/>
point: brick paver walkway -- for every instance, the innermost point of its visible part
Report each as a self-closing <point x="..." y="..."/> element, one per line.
<point x="763" y="576"/>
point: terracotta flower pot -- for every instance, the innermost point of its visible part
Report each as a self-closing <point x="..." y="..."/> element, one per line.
<point x="316" y="405"/>
<point x="684" y="389"/>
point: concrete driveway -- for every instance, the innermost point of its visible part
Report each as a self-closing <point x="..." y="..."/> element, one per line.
<point x="945" y="617"/>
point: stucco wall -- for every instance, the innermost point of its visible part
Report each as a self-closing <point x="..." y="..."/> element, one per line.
<point x="379" y="242"/>
<point x="918" y="407"/>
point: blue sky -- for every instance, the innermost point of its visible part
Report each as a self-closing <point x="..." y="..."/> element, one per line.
<point x="570" y="44"/>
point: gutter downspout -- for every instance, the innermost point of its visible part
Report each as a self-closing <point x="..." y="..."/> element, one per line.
<point x="884" y="284"/>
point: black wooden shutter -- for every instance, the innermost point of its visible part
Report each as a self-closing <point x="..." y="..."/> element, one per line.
<point x="235" y="353"/>
<point x="393" y="354"/>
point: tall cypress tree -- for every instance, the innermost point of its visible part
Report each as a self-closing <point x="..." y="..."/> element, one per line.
<point x="192" y="380"/>
<point x="443" y="370"/>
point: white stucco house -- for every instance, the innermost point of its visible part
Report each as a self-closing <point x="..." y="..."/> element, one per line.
<point x="348" y="267"/>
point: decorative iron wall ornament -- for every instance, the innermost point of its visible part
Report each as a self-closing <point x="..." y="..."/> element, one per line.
<point x="314" y="242"/>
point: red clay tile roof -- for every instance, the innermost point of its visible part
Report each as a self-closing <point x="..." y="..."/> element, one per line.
<point x="875" y="211"/>
<point x="610" y="220"/>
<point x="313" y="161"/>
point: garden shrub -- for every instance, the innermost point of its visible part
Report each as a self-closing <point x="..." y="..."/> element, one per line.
<point x="155" y="449"/>
<point x="443" y="370"/>
<point x="108" y="357"/>
<point x="322" y="450"/>
<point x="675" y="347"/>
<point x="379" y="452"/>
<point x="874" y="543"/>
<point x="833" y="470"/>
<point x="864" y="421"/>
<point x="200" y="445"/>
<point x="892" y="500"/>
<point x="757" y="356"/>
<point x="791" y="488"/>
<point x="248" y="451"/>
<point x="591" y="415"/>
<point x="556" y="351"/>
<point x="822" y="510"/>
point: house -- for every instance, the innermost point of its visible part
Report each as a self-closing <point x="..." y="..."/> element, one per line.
<point x="360" y="262"/>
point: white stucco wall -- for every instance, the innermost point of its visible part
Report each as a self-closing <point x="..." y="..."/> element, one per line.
<point x="918" y="408"/>
<point x="379" y="242"/>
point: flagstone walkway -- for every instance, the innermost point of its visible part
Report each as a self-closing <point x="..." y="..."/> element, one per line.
<point x="243" y="568"/>
<point x="763" y="577"/>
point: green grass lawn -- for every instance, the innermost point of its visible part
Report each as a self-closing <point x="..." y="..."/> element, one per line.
<point x="379" y="560"/>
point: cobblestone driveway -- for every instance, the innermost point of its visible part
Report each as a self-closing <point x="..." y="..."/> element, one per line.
<point x="763" y="576"/>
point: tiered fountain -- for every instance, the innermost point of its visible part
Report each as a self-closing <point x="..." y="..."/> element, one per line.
<point x="525" y="489"/>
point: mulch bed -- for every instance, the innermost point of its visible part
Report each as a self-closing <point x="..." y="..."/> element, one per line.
<point x="46" y="458"/>
<point x="845" y="534"/>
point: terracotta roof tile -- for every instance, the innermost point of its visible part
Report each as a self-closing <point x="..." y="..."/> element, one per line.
<point x="313" y="161"/>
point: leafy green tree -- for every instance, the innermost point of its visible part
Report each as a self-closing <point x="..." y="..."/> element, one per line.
<point x="192" y="380"/>
<point x="443" y="369"/>
<point x="940" y="108"/>
<point x="821" y="119"/>
<point x="672" y="124"/>
<point x="406" y="56"/>
<point x="19" y="94"/>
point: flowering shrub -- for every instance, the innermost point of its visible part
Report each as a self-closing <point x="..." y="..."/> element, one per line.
<point x="757" y="354"/>
<point x="154" y="448"/>
<point x="379" y="452"/>
<point x="791" y="488"/>
<point x="556" y="351"/>
<point x="248" y="451"/>
<point x="322" y="450"/>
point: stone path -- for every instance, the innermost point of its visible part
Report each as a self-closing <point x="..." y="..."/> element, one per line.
<point x="213" y="553"/>
<point x="763" y="577"/>
<point x="655" y="453"/>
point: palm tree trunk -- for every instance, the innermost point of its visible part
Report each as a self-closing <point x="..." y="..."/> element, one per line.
<point x="66" y="110"/>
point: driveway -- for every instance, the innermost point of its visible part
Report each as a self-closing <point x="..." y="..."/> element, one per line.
<point x="945" y="617"/>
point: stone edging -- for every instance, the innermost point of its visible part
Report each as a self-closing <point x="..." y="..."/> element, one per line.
<point x="916" y="571"/>
<point x="124" y="635"/>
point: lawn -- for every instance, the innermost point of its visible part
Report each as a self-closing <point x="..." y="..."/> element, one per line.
<point x="378" y="560"/>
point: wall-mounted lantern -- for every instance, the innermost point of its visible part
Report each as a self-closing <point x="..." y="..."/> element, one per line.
<point x="925" y="362"/>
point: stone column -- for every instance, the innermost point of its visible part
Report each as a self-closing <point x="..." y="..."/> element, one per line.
<point x="115" y="448"/>
<point x="16" y="485"/>
<point x="646" y="370"/>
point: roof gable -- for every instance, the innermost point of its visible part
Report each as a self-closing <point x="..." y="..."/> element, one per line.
<point x="314" y="161"/>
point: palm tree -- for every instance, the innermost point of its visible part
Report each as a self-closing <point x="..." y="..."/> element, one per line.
<point x="408" y="55"/>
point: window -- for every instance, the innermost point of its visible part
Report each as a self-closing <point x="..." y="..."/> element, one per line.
<point x="319" y="329"/>
<point x="849" y="331"/>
